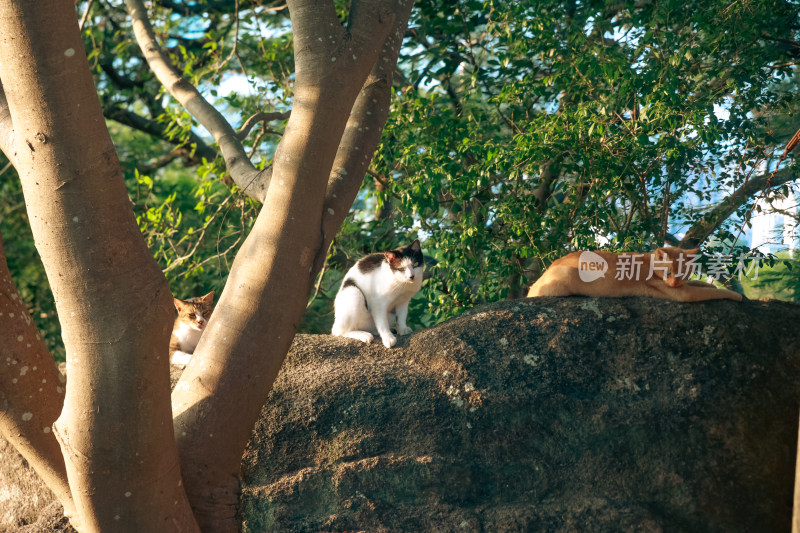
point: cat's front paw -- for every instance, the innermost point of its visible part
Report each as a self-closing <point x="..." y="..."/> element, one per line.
<point x="403" y="330"/>
<point x="389" y="340"/>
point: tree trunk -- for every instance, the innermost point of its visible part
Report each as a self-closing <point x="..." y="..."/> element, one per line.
<point x="115" y="430"/>
<point x="31" y="390"/>
<point x="221" y="392"/>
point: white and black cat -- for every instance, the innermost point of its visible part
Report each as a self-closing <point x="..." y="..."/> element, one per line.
<point x="193" y="315"/>
<point x="375" y="293"/>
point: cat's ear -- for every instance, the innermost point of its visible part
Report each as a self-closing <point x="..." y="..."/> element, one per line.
<point x="693" y="251"/>
<point x="178" y="303"/>
<point x="390" y="256"/>
<point x="661" y="254"/>
<point x="415" y="246"/>
<point x="208" y="298"/>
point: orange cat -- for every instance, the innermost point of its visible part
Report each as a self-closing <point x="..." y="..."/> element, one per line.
<point x="659" y="274"/>
<point x="193" y="315"/>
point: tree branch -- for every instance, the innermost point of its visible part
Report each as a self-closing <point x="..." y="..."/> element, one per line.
<point x="159" y="130"/>
<point x="6" y="128"/>
<point x="85" y="16"/>
<point x="253" y="182"/>
<point x="260" y="117"/>
<point x="118" y="79"/>
<point x="712" y="220"/>
<point x="362" y="133"/>
<point x="550" y="173"/>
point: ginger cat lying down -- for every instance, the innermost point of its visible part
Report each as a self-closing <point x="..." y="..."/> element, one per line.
<point x="658" y="274"/>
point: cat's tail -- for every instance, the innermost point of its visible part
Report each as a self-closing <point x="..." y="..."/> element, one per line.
<point x="363" y="336"/>
<point x="344" y="328"/>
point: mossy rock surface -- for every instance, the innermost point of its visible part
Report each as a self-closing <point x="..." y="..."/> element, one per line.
<point x="549" y="414"/>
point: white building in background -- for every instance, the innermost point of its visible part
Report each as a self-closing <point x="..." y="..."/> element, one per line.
<point x="775" y="227"/>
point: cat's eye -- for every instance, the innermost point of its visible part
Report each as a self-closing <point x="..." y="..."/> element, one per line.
<point x="192" y="315"/>
<point x="416" y="263"/>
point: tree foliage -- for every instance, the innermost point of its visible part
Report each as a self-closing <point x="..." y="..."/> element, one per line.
<point x="524" y="130"/>
<point x="518" y="131"/>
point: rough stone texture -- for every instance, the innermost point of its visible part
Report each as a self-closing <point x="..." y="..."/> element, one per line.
<point x="24" y="499"/>
<point x="51" y="520"/>
<point x="552" y="414"/>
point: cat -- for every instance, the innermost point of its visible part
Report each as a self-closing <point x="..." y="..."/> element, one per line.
<point x="193" y="315"/>
<point x="375" y="292"/>
<point x="598" y="274"/>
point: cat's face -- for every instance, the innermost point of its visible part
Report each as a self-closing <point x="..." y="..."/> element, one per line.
<point x="671" y="265"/>
<point x="195" y="311"/>
<point x="407" y="262"/>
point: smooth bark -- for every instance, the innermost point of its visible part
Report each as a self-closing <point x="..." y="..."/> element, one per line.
<point x="361" y="136"/>
<point x="6" y="128"/>
<point x="31" y="391"/>
<point x="221" y="392"/>
<point x="115" y="430"/>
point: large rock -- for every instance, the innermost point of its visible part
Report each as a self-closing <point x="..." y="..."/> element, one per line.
<point x="551" y="414"/>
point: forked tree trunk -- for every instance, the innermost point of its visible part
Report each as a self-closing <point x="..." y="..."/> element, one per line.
<point x="220" y="394"/>
<point x="115" y="431"/>
<point x="116" y="314"/>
